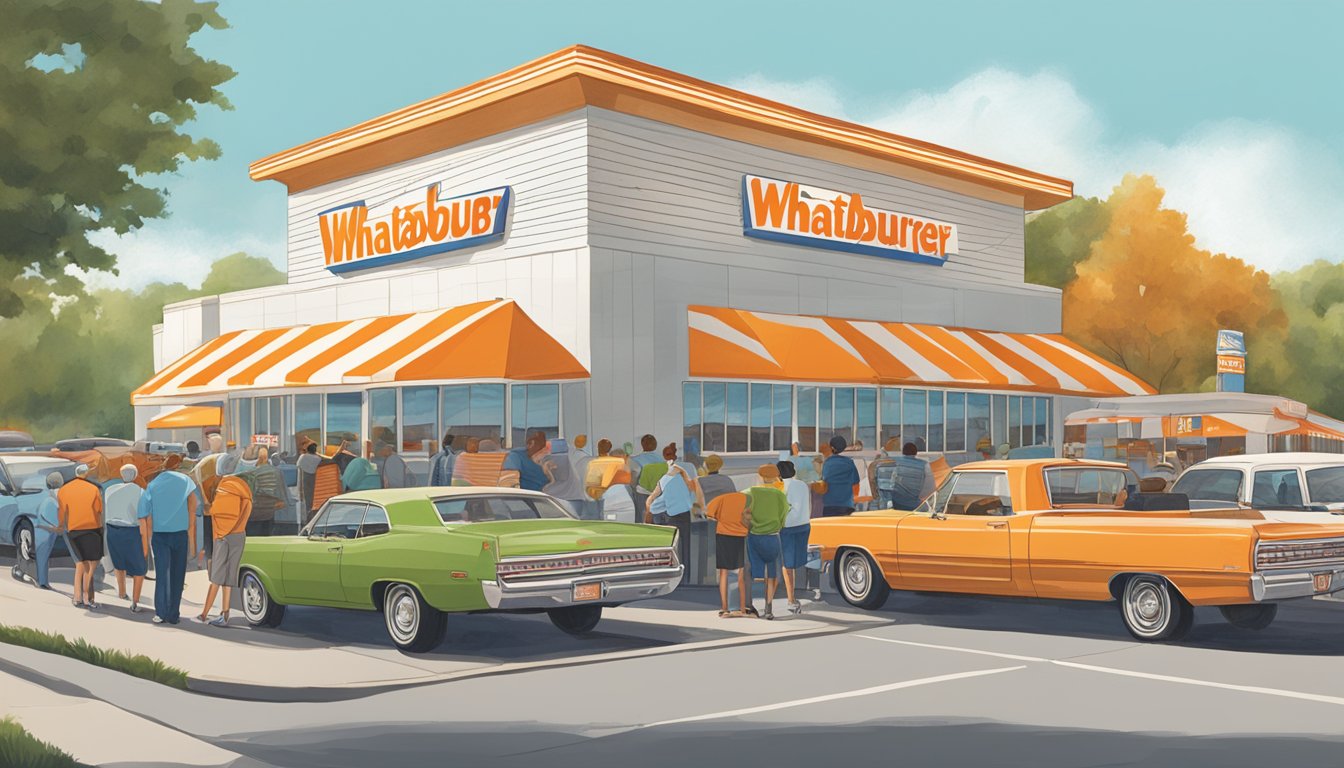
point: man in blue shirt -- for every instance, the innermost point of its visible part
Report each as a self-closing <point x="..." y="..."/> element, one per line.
<point x="840" y="476"/>
<point x="531" y="476"/>
<point x="170" y="502"/>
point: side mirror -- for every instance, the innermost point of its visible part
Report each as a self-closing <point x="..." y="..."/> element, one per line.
<point x="33" y="484"/>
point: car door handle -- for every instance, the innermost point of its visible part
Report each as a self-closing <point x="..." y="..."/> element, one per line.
<point x="334" y="549"/>
<point x="996" y="523"/>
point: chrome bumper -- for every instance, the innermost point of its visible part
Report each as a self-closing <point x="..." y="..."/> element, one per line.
<point x="618" y="587"/>
<point x="1283" y="585"/>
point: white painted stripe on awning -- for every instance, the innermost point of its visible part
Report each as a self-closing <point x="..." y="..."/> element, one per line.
<point x="725" y="332"/>
<point x="918" y="364"/>
<point x="275" y="375"/>
<point x="174" y="384"/>
<point x="1014" y="376"/>
<point x="221" y="382"/>
<point x="1065" y="380"/>
<point x="334" y="372"/>
<point x="389" y="372"/>
<point x="1125" y="383"/>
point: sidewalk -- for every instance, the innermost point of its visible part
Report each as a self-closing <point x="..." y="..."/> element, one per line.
<point x="326" y="654"/>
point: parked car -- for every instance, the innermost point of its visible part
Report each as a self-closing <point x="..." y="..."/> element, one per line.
<point x="1279" y="484"/>
<point x="23" y="478"/>
<point x="1081" y="530"/>
<point x="76" y="444"/>
<point x="14" y="440"/>
<point x="416" y="554"/>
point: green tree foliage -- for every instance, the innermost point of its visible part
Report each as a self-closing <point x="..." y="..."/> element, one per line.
<point x="1061" y="237"/>
<point x="1310" y="364"/>
<point x="75" y="362"/>
<point x="95" y="94"/>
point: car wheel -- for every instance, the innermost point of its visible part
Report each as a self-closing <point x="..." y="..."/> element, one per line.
<point x="577" y="619"/>
<point x="860" y="582"/>
<point x="24" y="540"/>
<point x="1256" y="616"/>
<point x="414" y="625"/>
<point x="1153" y="610"/>
<point x="258" y="607"/>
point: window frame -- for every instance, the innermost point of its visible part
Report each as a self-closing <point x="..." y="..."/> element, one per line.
<point x="368" y="508"/>
<point x="1125" y="471"/>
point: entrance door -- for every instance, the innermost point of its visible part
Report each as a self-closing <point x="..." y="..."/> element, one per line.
<point x="312" y="567"/>
<point x="965" y="548"/>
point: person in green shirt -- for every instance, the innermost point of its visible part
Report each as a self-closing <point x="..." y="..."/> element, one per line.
<point x="768" y="506"/>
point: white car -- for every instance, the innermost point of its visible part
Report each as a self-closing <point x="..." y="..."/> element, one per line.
<point x="1287" y="486"/>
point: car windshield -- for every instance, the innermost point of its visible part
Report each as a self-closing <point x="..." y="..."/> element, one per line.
<point x="1089" y="486"/>
<point x="482" y="509"/>
<point x="1326" y="485"/>
<point x="1223" y="485"/>
<point x="21" y="471"/>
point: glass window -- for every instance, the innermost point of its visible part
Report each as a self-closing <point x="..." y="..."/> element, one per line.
<point x="479" y="509"/>
<point x="535" y="407"/>
<point x="340" y="519"/>
<point x="807" y="418"/>
<point x="844" y="414"/>
<point x="980" y="493"/>
<point x="825" y="415"/>
<point x="1220" y="485"/>
<point x="308" y="418"/>
<point x="783" y="418"/>
<point x="1042" y="436"/>
<point x="574" y="395"/>
<point x="243" y="422"/>
<point x="36" y="471"/>
<point x="915" y="418"/>
<point x="1015" y="422"/>
<point x="737" y="417"/>
<point x="891" y="414"/>
<point x="1326" y="485"/>
<point x="375" y="522"/>
<point x="956" y="422"/>
<point x="1089" y="486"/>
<point x="761" y="411"/>
<point x="473" y="410"/>
<point x="382" y="418"/>
<point x="714" y="417"/>
<point x="865" y="417"/>
<point x="1000" y="412"/>
<point x="691" y="412"/>
<point x="1276" y="488"/>
<point x="343" y="417"/>
<point x="977" y="422"/>
<point x="935" y="421"/>
<point x="420" y="416"/>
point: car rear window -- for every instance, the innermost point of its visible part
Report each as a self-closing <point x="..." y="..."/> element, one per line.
<point x="1096" y="486"/>
<point x="1326" y="485"/>
<point x="1210" y="485"/>
<point x="483" y="509"/>
<point x="21" y="471"/>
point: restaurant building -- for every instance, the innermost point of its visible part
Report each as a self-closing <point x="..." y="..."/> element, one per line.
<point x="588" y="244"/>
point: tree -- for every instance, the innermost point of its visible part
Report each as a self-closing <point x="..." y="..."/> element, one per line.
<point x="1058" y="238"/>
<point x="95" y="93"/>
<point x="1149" y="300"/>
<point x="1309" y="364"/>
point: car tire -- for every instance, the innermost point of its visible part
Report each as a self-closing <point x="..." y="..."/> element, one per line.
<point x="259" y="608"/>
<point x="577" y="619"/>
<point x="25" y="541"/>
<point x="414" y="625"/>
<point x="1153" y="610"/>
<point x="860" y="581"/>
<point x="1255" y="616"/>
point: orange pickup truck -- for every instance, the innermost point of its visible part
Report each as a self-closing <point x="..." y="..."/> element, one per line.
<point x="1081" y="530"/>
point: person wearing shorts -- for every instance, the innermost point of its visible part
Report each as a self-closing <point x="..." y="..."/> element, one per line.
<point x="730" y="547"/>
<point x="230" y="512"/>
<point x="127" y="535"/>
<point x="768" y="507"/>
<point x="797" y="528"/>
<point x="81" y="517"/>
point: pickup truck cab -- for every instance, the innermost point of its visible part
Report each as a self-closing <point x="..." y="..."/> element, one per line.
<point x="1081" y="530"/>
<point x="1268" y="481"/>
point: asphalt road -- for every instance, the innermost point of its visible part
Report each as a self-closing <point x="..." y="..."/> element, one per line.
<point x="949" y="681"/>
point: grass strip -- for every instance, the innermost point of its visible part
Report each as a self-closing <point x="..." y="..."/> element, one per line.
<point x="137" y="665"/>
<point x="19" y="749"/>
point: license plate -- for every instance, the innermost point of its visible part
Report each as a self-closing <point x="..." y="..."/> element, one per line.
<point x="592" y="591"/>
<point x="1321" y="581"/>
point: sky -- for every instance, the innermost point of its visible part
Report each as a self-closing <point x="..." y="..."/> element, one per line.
<point x="1232" y="106"/>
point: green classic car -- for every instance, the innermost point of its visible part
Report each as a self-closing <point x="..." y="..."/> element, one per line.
<point x="416" y="554"/>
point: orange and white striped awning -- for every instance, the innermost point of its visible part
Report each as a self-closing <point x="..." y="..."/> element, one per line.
<point x="485" y="340"/>
<point x="737" y="344"/>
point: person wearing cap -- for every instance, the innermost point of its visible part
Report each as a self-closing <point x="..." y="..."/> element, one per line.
<point x="47" y="529"/>
<point x="840" y="476"/>
<point x="81" y="517"/>
<point x="127" y="535"/>
<point x="713" y="485"/>
<point x="170" y="502"/>
<point x="769" y="507"/>
<point x="797" y="528"/>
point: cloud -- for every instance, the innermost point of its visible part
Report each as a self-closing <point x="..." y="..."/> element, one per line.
<point x="1256" y="191"/>
<point x="167" y="253"/>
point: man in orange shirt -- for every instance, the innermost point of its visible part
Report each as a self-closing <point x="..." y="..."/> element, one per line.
<point x="730" y="546"/>
<point x="230" y="512"/>
<point x="81" y="516"/>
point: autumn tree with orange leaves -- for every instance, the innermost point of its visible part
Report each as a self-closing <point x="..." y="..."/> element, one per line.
<point x="1148" y="299"/>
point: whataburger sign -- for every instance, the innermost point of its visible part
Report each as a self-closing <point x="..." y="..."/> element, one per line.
<point x="789" y="212"/>
<point x="410" y="226"/>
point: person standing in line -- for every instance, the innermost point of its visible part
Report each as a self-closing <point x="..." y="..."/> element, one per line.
<point x="269" y="494"/>
<point x="231" y="509"/>
<point x="729" y="511"/>
<point x="797" y="527"/>
<point x="47" y="529"/>
<point x="307" y="465"/>
<point x="127" y="534"/>
<point x="649" y="444"/>
<point x="713" y="485"/>
<point x="521" y="467"/>
<point x="910" y="478"/>
<point x="81" y="517"/>
<point x="674" y="497"/>
<point x="441" y="467"/>
<point x="769" y="506"/>
<point x="840" y="476"/>
<point x="170" y="501"/>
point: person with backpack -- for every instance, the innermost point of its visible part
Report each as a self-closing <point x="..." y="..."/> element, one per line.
<point x="907" y="481"/>
<point x="231" y="510"/>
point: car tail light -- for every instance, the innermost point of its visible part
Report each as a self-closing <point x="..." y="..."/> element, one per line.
<point x="654" y="558"/>
<point x="1299" y="553"/>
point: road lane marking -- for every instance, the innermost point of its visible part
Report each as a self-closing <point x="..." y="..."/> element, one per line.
<point x="1009" y="656"/>
<point x="1206" y="683"/>
<point x="835" y="696"/>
